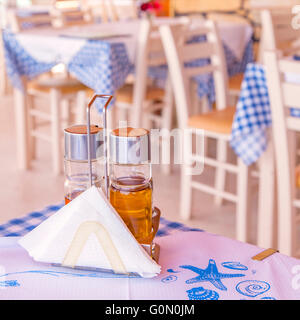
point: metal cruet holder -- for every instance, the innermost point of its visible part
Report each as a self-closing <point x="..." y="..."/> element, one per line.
<point x="152" y="249"/>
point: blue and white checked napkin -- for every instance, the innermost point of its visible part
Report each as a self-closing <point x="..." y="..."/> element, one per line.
<point x="252" y="117"/>
<point x="249" y="137"/>
<point x="20" y="226"/>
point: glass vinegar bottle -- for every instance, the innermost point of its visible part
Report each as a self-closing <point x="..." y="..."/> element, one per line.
<point x="131" y="185"/>
<point x="76" y="160"/>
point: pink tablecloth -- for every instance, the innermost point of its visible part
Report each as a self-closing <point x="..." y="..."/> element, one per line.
<point x="195" y="265"/>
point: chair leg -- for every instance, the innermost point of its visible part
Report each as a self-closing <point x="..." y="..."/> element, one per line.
<point x="186" y="180"/>
<point x="194" y="98"/>
<point x="111" y="118"/>
<point x="22" y="131"/>
<point x="31" y="127"/>
<point x="167" y="113"/>
<point x="122" y="115"/>
<point x="65" y="112"/>
<point x="287" y="224"/>
<point x="56" y="131"/>
<point x="81" y="108"/>
<point x="220" y="172"/>
<point x="205" y="105"/>
<point x="242" y="211"/>
<point x="145" y="119"/>
<point x="266" y="232"/>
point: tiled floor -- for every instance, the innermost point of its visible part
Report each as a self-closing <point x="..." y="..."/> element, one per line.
<point x="22" y="192"/>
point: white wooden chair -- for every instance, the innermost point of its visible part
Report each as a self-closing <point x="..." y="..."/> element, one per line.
<point x="63" y="92"/>
<point x="101" y="9"/>
<point x="126" y="11"/>
<point x="109" y="11"/>
<point x="70" y="17"/>
<point x="277" y="33"/>
<point x="141" y="102"/>
<point x="284" y="95"/>
<point x="235" y="82"/>
<point x="216" y="124"/>
<point x="18" y="23"/>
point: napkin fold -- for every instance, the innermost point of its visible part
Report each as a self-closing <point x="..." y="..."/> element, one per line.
<point x="89" y="233"/>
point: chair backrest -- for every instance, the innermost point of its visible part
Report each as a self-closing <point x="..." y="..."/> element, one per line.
<point x="278" y="34"/>
<point x="180" y="51"/>
<point x="19" y="23"/>
<point x="103" y="9"/>
<point x="282" y="78"/>
<point x="70" y="17"/>
<point x="128" y="9"/>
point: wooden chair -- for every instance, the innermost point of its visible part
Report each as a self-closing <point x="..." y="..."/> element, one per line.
<point x="109" y="11"/>
<point x="101" y="9"/>
<point x="235" y="82"/>
<point x="142" y="101"/>
<point x="216" y="124"/>
<point x="63" y="92"/>
<point x="79" y="16"/>
<point x="277" y="33"/>
<point x="126" y="11"/>
<point x="19" y="23"/>
<point x="283" y="96"/>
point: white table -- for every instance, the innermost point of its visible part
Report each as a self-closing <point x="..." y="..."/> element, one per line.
<point x="195" y="266"/>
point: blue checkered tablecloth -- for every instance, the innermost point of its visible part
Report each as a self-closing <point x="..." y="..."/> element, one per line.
<point x="20" y="226"/>
<point x="104" y="66"/>
<point x="253" y="116"/>
<point x="101" y="65"/>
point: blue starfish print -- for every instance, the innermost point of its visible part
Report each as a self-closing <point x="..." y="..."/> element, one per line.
<point x="210" y="274"/>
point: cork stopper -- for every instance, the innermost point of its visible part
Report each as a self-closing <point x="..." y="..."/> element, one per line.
<point x="130" y="132"/>
<point x="82" y="129"/>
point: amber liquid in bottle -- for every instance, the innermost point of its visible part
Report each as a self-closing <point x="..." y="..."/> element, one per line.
<point x="132" y="199"/>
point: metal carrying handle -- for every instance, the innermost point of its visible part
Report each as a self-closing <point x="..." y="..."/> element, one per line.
<point x="88" y="112"/>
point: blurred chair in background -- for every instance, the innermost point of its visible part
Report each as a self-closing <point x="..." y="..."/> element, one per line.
<point x="19" y="22"/>
<point x="128" y="10"/>
<point x="60" y="89"/>
<point x="283" y="96"/>
<point x="216" y="124"/>
<point x="142" y="102"/>
<point x="70" y="17"/>
<point x="278" y="33"/>
<point x="111" y="10"/>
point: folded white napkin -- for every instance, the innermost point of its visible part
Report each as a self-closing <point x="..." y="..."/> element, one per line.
<point x="88" y="232"/>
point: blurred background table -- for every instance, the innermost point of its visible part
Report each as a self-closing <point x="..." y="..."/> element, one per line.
<point x="100" y="58"/>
